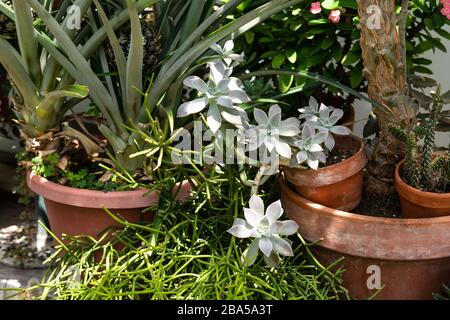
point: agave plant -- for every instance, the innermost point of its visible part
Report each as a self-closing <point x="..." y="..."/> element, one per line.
<point x="186" y="37"/>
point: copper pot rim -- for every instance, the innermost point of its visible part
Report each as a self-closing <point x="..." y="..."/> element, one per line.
<point x="132" y="199"/>
<point x="417" y="196"/>
<point x="359" y="156"/>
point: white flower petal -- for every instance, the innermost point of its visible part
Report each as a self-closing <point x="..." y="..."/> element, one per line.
<point x="283" y="149"/>
<point x="273" y="260"/>
<point x="216" y="48"/>
<point x="315" y="148"/>
<point x="231" y="115"/>
<point x="214" y="119"/>
<point x="336" y="115"/>
<point x="274" y="211"/>
<point x="228" y="46"/>
<point x="281" y="246"/>
<point x="313" y="103"/>
<point x="260" y="117"/>
<point x="324" y="112"/>
<point x="289" y="130"/>
<point x="307" y="132"/>
<point x="225" y="101"/>
<point x="301" y="156"/>
<point x="240" y="229"/>
<point x="329" y="142"/>
<point x="284" y="228"/>
<point x="319" y="138"/>
<point x="265" y="245"/>
<point x="342" y="130"/>
<point x="238" y="96"/>
<point x="257" y="205"/>
<point x="253" y="218"/>
<point x="196" y="83"/>
<point x="217" y="71"/>
<point x="275" y="115"/>
<point x="251" y="253"/>
<point x="269" y="142"/>
<point x="313" y="164"/>
<point x="191" y="107"/>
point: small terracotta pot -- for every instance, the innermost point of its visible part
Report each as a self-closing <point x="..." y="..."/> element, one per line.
<point x="410" y="256"/>
<point x="80" y="212"/>
<point x="420" y="204"/>
<point x="338" y="186"/>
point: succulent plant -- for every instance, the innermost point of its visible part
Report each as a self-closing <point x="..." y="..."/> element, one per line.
<point x="420" y="170"/>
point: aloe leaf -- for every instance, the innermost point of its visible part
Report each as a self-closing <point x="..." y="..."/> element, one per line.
<point x="116" y="142"/>
<point x="9" y="58"/>
<point x="117" y="50"/>
<point x="134" y="63"/>
<point x="101" y="95"/>
<point x="27" y="40"/>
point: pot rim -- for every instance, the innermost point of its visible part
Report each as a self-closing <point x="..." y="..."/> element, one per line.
<point x="367" y="237"/>
<point x="359" y="156"/>
<point x="91" y="198"/>
<point x="416" y="196"/>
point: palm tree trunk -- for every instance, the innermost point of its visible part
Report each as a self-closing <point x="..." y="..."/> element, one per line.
<point x="384" y="57"/>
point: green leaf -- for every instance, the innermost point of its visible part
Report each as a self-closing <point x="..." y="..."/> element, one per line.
<point x="269" y="54"/>
<point x="295" y="25"/>
<point x="350" y="58"/>
<point x="326" y="43"/>
<point x="429" y="23"/>
<point x="291" y="55"/>
<point x="439" y="20"/>
<point x="352" y="4"/>
<point x="278" y="60"/>
<point x="356" y="77"/>
<point x="330" y="4"/>
<point x="422" y="61"/>
<point x="285" y="82"/>
<point x="422" y="69"/>
<point x="443" y="33"/>
<point x="266" y="40"/>
<point x="249" y="37"/>
<point x="318" y="21"/>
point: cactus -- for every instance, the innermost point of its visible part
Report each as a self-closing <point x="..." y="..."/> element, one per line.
<point x="427" y="148"/>
<point x="420" y="171"/>
<point x="412" y="172"/>
<point x="441" y="166"/>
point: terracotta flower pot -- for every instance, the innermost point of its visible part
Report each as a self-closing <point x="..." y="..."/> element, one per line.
<point x="80" y="212"/>
<point x="338" y="186"/>
<point x="420" y="204"/>
<point x="411" y="257"/>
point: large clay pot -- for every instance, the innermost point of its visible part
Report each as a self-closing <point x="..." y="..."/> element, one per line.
<point x="411" y="255"/>
<point x="80" y="212"/>
<point x="337" y="186"/>
<point x="420" y="204"/>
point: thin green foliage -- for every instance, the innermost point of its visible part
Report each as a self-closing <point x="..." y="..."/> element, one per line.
<point x="185" y="253"/>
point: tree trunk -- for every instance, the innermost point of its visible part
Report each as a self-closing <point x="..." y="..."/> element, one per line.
<point x="384" y="58"/>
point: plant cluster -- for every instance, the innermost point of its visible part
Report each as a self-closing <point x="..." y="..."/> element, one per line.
<point x="420" y="170"/>
<point x="191" y="256"/>
<point x="323" y="37"/>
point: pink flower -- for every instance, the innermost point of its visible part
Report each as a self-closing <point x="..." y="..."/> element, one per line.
<point x="315" y="7"/>
<point x="334" y="16"/>
<point x="445" y="11"/>
<point x="446" y="3"/>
